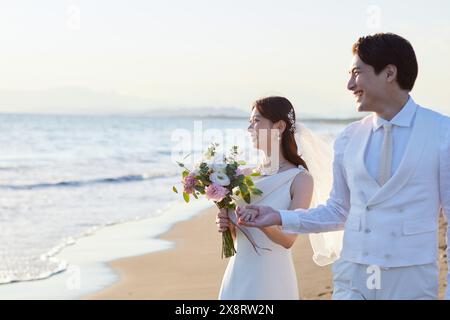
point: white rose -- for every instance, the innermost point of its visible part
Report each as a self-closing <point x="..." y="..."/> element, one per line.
<point x="219" y="178"/>
<point x="219" y="167"/>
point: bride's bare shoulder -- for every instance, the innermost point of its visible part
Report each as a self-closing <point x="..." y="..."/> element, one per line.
<point x="302" y="182"/>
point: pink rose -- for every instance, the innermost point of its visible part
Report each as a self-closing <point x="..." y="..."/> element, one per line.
<point x="216" y="192"/>
<point x="189" y="183"/>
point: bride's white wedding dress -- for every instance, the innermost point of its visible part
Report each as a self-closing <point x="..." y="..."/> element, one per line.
<point x="270" y="274"/>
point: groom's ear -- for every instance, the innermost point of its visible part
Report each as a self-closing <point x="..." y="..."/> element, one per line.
<point x="391" y="73"/>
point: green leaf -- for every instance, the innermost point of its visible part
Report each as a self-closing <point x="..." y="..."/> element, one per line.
<point x="249" y="181"/>
<point x="256" y="191"/>
<point x="211" y="152"/>
<point x="186" y="197"/>
<point x="185" y="173"/>
<point x="242" y="163"/>
<point x="174" y="189"/>
<point x="246" y="197"/>
<point x="239" y="180"/>
<point x="205" y="182"/>
<point x="195" y="195"/>
<point x="243" y="189"/>
<point x="255" y="174"/>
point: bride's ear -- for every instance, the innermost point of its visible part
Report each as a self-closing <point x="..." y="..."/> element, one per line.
<point x="280" y="125"/>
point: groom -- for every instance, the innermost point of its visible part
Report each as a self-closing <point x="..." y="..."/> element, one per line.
<point x="391" y="178"/>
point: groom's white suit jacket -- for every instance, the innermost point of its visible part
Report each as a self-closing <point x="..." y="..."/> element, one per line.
<point x="397" y="224"/>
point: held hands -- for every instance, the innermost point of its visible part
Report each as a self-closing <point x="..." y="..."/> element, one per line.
<point x="258" y="216"/>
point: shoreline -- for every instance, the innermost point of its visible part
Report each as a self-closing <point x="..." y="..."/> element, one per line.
<point x="175" y="256"/>
<point x="88" y="270"/>
<point x="199" y="272"/>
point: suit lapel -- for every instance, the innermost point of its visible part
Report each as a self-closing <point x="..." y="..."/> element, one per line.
<point x="409" y="161"/>
<point x="368" y="186"/>
<point x="361" y="152"/>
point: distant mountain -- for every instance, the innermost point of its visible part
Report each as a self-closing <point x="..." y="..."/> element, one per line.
<point x="214" y="112"/>
<point x="79" y="100"/>
<point x="207" y="112"/>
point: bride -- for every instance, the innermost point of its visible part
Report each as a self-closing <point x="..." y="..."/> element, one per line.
<point x="269" y="274"/>
<point x="287" y="182"/>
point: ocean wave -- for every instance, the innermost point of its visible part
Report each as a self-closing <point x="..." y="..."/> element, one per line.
<point x="13" y="168"/>
<point x="47" y="265"/>
<point x="81" y="183"/>
<point x="61" y="266"/>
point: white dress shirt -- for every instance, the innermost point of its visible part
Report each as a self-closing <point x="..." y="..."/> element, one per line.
<point x="401" y="131"/>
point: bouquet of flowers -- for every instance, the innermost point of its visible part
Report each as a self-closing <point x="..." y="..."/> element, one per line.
<point x="222" y="182"/>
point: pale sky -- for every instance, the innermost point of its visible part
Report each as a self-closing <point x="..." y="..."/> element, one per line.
<point x="105" y="56"/>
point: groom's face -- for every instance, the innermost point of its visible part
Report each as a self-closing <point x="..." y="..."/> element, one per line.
<point x="368" y="88"/>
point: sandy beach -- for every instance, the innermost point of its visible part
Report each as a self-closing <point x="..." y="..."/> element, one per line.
<point x="193" y="269"/>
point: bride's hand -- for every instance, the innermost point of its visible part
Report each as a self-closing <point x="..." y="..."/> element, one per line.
<point x="222" y="220"/>
<point x="259" y="216"/>
<point x="246" y="215"/>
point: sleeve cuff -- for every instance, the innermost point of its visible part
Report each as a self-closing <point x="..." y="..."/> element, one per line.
<point x="290" y="221"/>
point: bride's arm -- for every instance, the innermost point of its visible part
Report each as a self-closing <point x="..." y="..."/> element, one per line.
<point x="301" y="191"/>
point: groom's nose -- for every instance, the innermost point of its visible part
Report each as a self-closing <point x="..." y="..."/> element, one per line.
<point x="351" y="83"/>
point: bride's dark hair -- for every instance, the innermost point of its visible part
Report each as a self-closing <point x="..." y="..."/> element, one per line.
<point x="276" y="109"/>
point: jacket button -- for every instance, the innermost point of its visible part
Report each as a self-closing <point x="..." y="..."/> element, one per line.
<point x="368" y="208"/>
<point x="367" y="231"/>
<point x="393" y="234"/>
<point x="365" y="253"/>
<point x="387" y="256"/>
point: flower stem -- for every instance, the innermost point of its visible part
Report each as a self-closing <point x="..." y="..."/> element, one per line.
<point x="227" y="245"/>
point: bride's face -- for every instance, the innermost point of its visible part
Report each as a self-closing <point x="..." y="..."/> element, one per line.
<point x="261" y="130"/>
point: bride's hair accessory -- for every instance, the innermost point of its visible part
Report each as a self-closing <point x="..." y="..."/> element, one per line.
<point x="291" y="118"/>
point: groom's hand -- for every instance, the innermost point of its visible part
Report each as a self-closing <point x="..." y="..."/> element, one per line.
<point x="258" y="216"/>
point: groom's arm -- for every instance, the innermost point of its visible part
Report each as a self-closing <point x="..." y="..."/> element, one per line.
<point x="333" y="214"/>
<point x="444" y="187"/>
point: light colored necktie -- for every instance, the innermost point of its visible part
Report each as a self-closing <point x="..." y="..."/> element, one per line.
<point x="384" y="169"/>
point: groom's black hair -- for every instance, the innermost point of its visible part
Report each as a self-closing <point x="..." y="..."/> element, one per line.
<point x="382" y="49"/>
